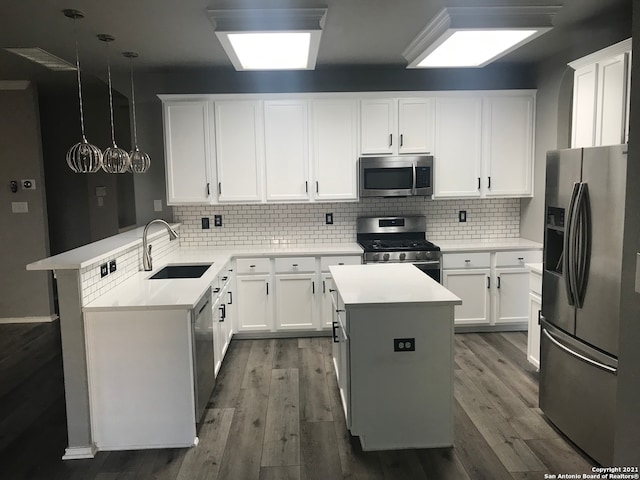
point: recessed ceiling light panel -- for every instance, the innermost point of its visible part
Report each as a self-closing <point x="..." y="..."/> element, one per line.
<point x="476" y="36"/>
<point x="272" y="50"/>
<point x="44" y="58"/>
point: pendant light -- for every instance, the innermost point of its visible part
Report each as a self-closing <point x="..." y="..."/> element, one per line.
<point x="83" y="157"/>
<point x="114" y="159"/>
<point x="140" y="161"/>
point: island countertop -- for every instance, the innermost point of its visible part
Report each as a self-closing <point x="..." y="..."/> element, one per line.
<point x="388" y="284"/>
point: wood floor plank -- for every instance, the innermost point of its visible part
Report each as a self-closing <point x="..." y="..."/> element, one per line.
<point x="397" y="464"/>
<point x="286" y="353"/>
<point x="518" y="339"/>
<point x="559" y="456"/>
<point x="513" y="353"/>
<point x="442" y="464"/>
<point x="514" y="454"/>
<point x="257" y="373"/>
<point x="319" y="458"/>
<point x="315" y="404"/>
<point x="230" y="376"/>
<point x="281" y="445"/>
<point x="203" y="461"/>
<point x="280" y="473"/>
<point x="476" y="456"/>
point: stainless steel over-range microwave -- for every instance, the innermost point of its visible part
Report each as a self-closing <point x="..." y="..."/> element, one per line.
<point x="396" y="176"/>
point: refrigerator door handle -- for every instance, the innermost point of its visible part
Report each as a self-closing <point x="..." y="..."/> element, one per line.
<point x="583" y="223"/>
<point x="568" y="247"/>
<point x="578" y="355"/>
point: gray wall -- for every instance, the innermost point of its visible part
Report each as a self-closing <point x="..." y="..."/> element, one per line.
<point x="627" y="442"/>
<point x="23" y="237"/>
<point x="554" y="80"/>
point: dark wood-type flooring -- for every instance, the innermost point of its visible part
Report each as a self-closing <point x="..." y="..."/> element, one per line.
<point x="275" y="414"/>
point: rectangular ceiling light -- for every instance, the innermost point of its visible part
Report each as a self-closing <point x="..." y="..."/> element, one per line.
<point x="44" y="58"/>
<point x="476" y="36"/>
<point x="474" y="48"/>
<point x="270" y="39"/>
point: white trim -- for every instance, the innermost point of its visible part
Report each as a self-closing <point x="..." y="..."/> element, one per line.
<point x="14" y="84"/>
<point x="77" y="453"/>
<point x="610" y="51"/>
<point x="43" y="319"/>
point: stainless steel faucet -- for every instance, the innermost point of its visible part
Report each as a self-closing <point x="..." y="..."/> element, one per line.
<point x="146" y="256"/>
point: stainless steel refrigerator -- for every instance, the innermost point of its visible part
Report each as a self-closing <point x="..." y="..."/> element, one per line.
<point x="584" y="206"/>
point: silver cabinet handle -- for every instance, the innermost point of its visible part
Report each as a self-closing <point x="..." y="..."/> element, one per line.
<point x="577" y="355"/>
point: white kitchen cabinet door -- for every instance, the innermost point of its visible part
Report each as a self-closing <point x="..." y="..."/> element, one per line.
<point x="286" y="150"/>
<point x="416" y="125"/>
<point x="239" y="151"/>
<point x="611" y="101"/>
<point x="378" y="126"/>
<point x="457" y="151"/>
<point x="254" y="307"/>
<point x="533" y="333"/>
<point x="508" y="146"/>
<point x="584" y="106"/>
<point x="512" y="287"/>
<point x="295" y="301"/>
<point x="187" y="147"/>
<point x="473" y="287"/>
<point x="334" y="149"/>
<point x="326" y="304"/>
<point x="218" y="340"/>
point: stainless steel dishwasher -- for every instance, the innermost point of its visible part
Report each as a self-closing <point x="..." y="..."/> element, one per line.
<point x="203" y="361"/>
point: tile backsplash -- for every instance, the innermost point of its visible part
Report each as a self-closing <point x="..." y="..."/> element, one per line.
<point x="268" y="224"/>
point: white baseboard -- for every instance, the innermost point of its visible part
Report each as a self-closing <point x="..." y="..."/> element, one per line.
<point x="77" y="453"/>
<point x="49" y="318"/>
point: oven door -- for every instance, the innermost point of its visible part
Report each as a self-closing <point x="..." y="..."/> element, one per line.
<point x="431" y="268"/>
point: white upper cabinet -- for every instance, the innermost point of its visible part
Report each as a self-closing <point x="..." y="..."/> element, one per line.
<point x="508" y="145"/>
<point x="334" y="150"/>
<point x="187" y="151"/>
<point x="239" y="150"/>
<point x="286" y="150"/>
<point x="458" y="147"/>
<point x="416" y="125"/>
<point x="601" y="85"/>
<point x="396" y="126"/>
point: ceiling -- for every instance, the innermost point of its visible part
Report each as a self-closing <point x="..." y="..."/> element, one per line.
<point x="177" y="34"/>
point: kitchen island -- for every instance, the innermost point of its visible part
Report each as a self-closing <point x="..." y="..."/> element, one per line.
<point x="393" y="355"/>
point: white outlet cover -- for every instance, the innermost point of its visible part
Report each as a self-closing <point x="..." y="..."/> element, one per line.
<point x="20" y="207"/>
<point x="157" y="205"/>
<point x="28" y="181"/>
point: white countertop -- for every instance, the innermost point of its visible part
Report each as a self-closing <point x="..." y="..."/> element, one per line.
<point x="138" y="292"/>
<point x="451" y="246"/>
<point x="534" y="267"/>
<point x="91" y="253"/>
<point x="388" y="283"/>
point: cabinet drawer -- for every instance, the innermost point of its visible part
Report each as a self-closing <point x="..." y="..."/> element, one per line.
<point x="535" y="283"/>
<point x="466" y="260"/>
<point x="326" y="262"/>
<point x="252" y="265"/>
<point x="295" y="264"/>
<point x="518" y="258"/>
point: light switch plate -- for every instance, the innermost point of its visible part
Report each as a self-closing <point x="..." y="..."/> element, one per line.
<point x="19" y="207"/>
<point x="157" y="205"/>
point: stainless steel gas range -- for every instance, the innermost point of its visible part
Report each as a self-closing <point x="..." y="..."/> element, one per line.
<point x="399" y="240"/>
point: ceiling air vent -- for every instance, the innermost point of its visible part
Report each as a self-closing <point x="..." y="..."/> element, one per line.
<point x="44" y="58"/>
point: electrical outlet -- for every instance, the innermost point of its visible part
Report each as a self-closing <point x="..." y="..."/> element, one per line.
<point x="404" y="344"/>
<point x="462" y="216"/>
<point x="205" y="223"/>
<point x="112" y="266"/>
<point x="328" y="218"/>
<point x="104" y="270"/>
<point x="28" y="184"/>
<point x="217" y="220"/>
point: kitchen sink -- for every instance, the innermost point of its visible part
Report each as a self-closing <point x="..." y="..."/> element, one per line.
<point x="181" y="271"/>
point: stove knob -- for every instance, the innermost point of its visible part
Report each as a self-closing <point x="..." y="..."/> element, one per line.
<point x="420" y="255"/>
<point x="403" y="256"/>
<point x="376" y="257"/>
<point x="385" y="257"/>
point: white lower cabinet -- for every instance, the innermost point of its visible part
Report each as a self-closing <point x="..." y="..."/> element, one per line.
<point x="296" y="301"/>
<point x="535" y="305"/>
<point x="473" y="287"/>
<point x="493" y="286"/>
<point x="254" y="308"/>
<point x="326" y="304"/>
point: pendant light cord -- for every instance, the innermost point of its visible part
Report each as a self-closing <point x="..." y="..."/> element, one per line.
<point x="113" y="137"/>
<point x="133" y="101"/>
<point x="75" y="34"/>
